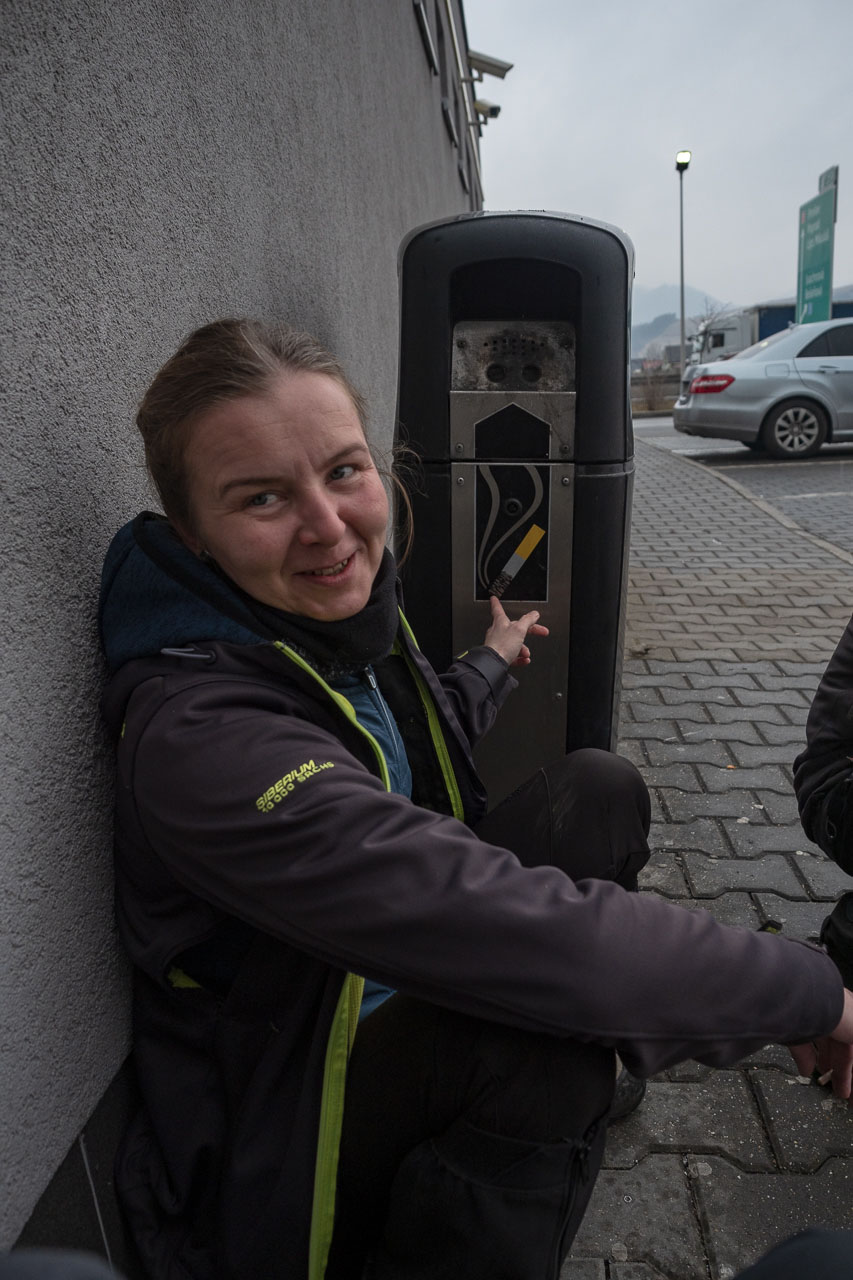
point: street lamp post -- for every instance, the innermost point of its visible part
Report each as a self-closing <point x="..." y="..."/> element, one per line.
<point x="682" y="160"/>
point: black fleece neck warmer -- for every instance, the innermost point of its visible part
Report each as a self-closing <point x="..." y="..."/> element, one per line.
<point x="338" y="648"/>
<point x="156" y="593"/>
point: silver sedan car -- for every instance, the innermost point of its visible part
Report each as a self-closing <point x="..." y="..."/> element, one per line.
<point x="789" y="394"/>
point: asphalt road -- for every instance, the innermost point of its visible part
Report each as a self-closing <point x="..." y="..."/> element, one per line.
<point x="816" y="493"/>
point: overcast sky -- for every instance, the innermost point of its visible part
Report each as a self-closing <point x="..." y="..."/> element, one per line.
<point x="603" y="94"/>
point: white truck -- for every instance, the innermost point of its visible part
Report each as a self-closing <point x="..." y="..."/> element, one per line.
<point x="734" y="331"/>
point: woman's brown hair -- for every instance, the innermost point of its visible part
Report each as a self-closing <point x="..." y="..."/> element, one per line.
<point x="221" y="361"/>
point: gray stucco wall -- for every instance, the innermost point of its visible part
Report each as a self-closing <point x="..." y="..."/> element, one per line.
<point x="167" y="163"/>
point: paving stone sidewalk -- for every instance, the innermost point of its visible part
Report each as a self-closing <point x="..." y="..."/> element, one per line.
<point x="732" y="616"/>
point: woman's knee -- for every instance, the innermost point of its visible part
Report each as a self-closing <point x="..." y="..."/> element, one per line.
<point x="603" y="776"/>
<point x="600" y="812"/>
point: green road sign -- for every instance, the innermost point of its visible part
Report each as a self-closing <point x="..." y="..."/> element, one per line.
<point x="814" y="264"/>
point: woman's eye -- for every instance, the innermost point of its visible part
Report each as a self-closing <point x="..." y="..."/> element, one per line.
<point x="261" y="499"/>
<point x="343" y="472"/>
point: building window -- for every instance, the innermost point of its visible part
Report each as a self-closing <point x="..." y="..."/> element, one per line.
<point x="426" y="35"/>
<point x="442" y="52"/>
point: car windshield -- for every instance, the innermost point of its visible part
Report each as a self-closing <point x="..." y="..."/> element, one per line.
<point x="757" y="348"/>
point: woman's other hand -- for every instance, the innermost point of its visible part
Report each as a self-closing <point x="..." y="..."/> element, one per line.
<point x="507" y="637"/>
<point x="832" y="1055"/>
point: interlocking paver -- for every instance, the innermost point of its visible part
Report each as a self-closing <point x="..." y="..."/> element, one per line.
<point x="729" y="908"/>
<point x="805" y="1122"/>
<point x="769" y="776"/>
<point x="644" y="1214"/>
<point x="672" y="775"/>
<point x="717" y="1116"/>
<point x="790" y="736"/>
<point x="703" y="696"/>
<point x="738" y="714"/>
<point x="646" y="680"/>
<point x="655" y="730"/>
<point x="724" y="682"/>
<point x="771" y="1057"/>
<point x="816" y="669"/>
<point x="731" y="620"/>
<point x="635" y="752"/>
<point x="683" y="806"/>
<point x="734" y="731"/>
<point x="702" y="753"/>
<point x="779" y="808"/>
<point x="752" y="839"/>
<point x="800" y="919"/>
<point x="709" y="877"/>
<point x="745" y="1214"/>
<point x="824" y="878"/>
<point x="806" y="682"/>
<point x="690" y="712"/>
<point x="649" y="693"/>
<point x="635" y="1271"/>
<point x="663" y="874"/>
<point x="583" y="1269"/>
<point x="747" y="756"/>
<point x="798" y="716"/>
<point x="704" y="833"/>
<point x="781" y="698"/>
<point x="695" y="667"/>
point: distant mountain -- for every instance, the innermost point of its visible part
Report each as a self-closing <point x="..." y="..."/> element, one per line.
<point x="643" y="334"/>
<point x="649" y="303"/>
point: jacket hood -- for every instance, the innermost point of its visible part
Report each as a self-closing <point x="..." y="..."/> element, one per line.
<point x="156" y="594"/>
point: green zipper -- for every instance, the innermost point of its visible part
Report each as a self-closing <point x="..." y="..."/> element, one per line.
<point x="340" y="1042"/>
<point x="436" y="734"/>
<point x="338" y="1046"/>
<point x="345" y="1021"/>
<point x="344" y="704"/>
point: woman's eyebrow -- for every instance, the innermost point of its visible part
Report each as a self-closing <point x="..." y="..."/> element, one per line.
<point x="247" y="482"/>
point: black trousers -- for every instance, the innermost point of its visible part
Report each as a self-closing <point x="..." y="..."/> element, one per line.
<point x="469" y="1147"/>
<point x="812" y="1255"/>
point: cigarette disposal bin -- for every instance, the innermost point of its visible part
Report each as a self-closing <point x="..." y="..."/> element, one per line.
<point x="514" y="393"/>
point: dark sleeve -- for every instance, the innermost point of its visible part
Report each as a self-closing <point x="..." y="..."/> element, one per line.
<point x="269" y="818"/>
<point x="823" y="773"/>
<point x="476" y="686"/>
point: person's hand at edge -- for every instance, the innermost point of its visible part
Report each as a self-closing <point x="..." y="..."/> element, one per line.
<point x="507" y="637"/>
<point x="832" y="1055"/>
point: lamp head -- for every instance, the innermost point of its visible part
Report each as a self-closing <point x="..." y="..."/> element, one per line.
<point x="682" y="160"/>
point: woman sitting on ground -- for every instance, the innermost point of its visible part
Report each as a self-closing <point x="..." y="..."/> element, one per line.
<point x="375" y="1026"/>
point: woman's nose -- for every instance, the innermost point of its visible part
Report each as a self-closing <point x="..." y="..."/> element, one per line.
<point x="319" y="519"/>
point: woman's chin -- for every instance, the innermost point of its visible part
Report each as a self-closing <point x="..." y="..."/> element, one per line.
<point x="328" y="604"/>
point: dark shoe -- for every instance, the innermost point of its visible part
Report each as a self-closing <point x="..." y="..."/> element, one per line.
<point x="629" y="1093"/>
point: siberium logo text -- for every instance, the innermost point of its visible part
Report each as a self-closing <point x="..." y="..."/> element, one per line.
<point x="267" y="802"/>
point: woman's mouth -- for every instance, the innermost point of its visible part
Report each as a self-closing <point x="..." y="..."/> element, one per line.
<point x="331" y="570"/>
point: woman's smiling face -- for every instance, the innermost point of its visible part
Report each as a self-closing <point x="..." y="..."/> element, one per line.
<point x="285" y="497"/>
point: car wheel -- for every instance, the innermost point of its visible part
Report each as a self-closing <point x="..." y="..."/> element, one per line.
<point x="757" y="446"/>
<point x="795" y="429"/>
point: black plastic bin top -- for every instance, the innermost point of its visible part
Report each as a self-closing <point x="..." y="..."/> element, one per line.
<point x="518" y="266"/>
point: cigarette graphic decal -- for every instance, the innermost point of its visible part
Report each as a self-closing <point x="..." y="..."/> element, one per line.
<point x="528" y="543"/>
<point x="512" y="520"/>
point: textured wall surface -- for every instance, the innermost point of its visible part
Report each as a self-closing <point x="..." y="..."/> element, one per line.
<point x="167" y="163"/>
